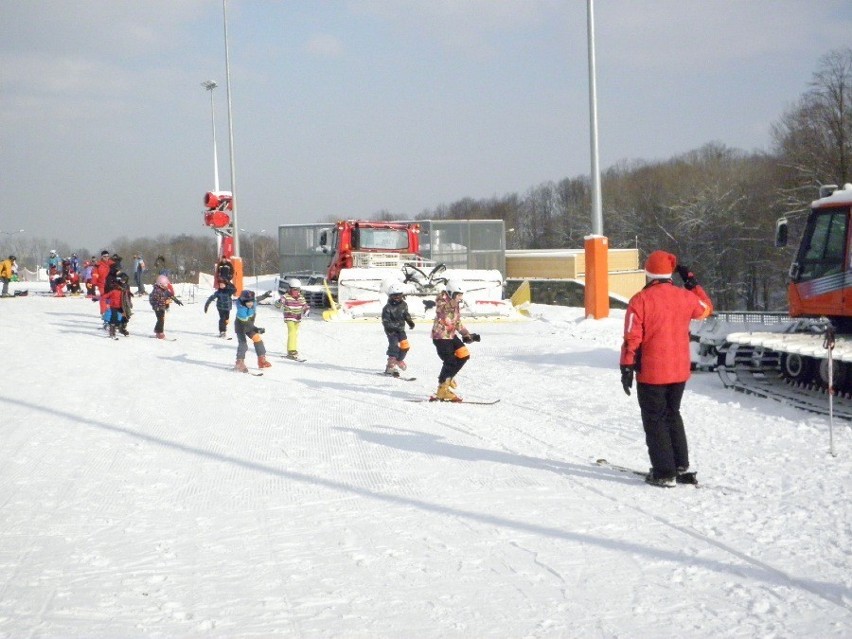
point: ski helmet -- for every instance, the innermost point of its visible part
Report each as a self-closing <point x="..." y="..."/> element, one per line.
<point x="247" y="296"/>
<point x="123" y="277"/>
<point x="163" y="281"/>
<point x="454" y="286"/>
<point x="12" y="257"/>
<point x="295" y="283"/>
<point x="395" y="289"/>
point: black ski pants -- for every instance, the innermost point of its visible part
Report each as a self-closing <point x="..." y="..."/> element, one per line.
<point x="664" y="432"/>
<point x="242" y="331"/>
<point x="161" y="320"/>
<point x="449" y="351"/>
<point x="224" y="317"/>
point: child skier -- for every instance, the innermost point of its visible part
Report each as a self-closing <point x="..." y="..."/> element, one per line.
<point x="118" y="305"/>
<point x="244" y="328"/>
<point x="223" y="304"/>
<point x="445" y="336"/>
<point x="394" y="318"/>
<point x="294" y="307"/>
<point x="161" y="296"/>
<point x="88" y="269"/>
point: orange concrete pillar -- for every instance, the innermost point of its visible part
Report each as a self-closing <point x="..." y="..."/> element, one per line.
<point x="597" y="277"/>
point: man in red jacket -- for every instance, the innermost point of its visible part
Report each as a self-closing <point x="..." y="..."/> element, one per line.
<point x="656" y="349"/>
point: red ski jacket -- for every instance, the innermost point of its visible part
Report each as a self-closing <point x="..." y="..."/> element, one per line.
<point x="113" y="299"/>
<point x="656" y="331"/>
<point x="102" y="269"/>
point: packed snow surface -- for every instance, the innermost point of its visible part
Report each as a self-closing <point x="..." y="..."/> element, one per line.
<point x="148" y="491"/>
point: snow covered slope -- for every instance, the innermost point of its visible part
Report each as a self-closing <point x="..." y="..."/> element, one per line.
<point x="147" y="491"/>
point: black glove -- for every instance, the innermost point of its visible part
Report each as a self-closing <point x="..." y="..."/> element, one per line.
<point x="260" y="330"/>
<point x="689" y="281"/>
<point x="427" y="304"/>
<point x="205" y="306"/>
<point x="627" y="378"/>
<point x="470" y="337"/>
<point x="411" y="326"/>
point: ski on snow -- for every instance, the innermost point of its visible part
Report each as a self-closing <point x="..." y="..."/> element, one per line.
<point x="397" y="376"/>
<point x="684" y="478"/>
<point x="252" y="373"/>
<point x="461" y="401"/>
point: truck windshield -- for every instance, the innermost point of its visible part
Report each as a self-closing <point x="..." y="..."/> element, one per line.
<point x="386" y="239"/>
<point x="823" y="252"/>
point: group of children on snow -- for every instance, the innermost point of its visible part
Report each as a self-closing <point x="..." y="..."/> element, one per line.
<point x="448" y="332"/>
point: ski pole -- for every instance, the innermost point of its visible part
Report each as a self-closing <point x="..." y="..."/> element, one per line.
<point x="828" y="344"/>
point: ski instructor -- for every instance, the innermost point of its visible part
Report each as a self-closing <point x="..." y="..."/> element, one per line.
<point x="656" y="349"/>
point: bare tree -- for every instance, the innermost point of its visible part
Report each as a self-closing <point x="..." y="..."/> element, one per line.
<point x="814" y="138"/>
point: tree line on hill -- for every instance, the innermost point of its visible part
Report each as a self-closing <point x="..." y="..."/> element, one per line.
<point x="715" y="207"/>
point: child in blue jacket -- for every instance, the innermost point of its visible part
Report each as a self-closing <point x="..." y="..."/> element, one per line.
<point x="224" y="304"/>
<point x="244" y="328"/>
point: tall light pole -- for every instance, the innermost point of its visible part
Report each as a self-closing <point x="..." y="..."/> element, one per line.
<point x="210" y="85"/>
<point x="596" y="291"/>
<point x="597" y="214"/>
<point x="231" y="134"/>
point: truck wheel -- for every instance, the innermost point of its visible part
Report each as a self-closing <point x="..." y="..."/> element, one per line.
<point x="798" y="367"/>
<point x="841" y="375"/>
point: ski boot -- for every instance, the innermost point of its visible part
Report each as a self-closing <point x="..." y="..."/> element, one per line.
<point x="161" y="336"/>
<point x="262" y="362"/>
<point x="445" y="393"/>
<point x="294" y="355"/>
<point x="659" y="480"/>
<point x="390" y="369"/>
<point x="112" y="330"/>
<point x="222" y="334"/>
<point x="685" y="476"/>
<point x="240" y="366"/>
<point x="401" y="365"/>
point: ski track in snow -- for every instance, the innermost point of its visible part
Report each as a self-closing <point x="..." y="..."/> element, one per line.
<point x="148" y="491"/>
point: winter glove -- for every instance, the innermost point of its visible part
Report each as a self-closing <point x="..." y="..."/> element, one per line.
<point x="260" y="329"/>
<point x="689" y="281"/>
<point x="471" y="337"/>
<point x="411" y="326"/>
<point x="206" y="306"/>
<point x="627" y="378"/>
<point x="427" y="304"/>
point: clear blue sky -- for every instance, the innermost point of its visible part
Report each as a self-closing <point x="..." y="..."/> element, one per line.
<point x="345" y="108"/>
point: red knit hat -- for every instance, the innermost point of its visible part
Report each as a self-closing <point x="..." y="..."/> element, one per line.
<point x="660" y="265"/>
